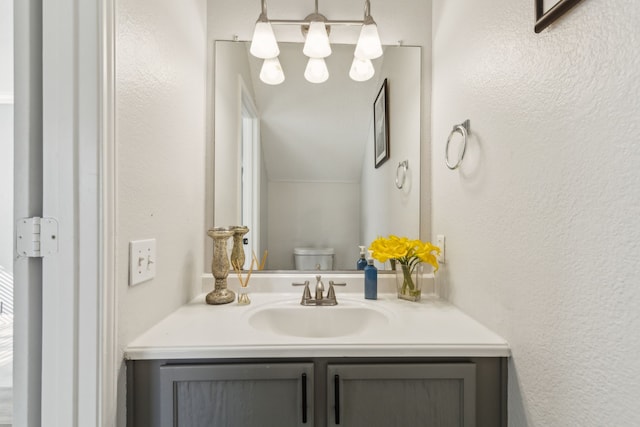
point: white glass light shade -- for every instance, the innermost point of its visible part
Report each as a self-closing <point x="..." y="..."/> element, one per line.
<point x="317" y="43"/>
<point x="361" y="70"/>
<point x="263" y="43"/>
<point x="369" y="46"/>
<point x="316" y="71"/>
<point x="271" y="72"/>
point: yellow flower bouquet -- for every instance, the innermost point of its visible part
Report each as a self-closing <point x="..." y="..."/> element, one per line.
<point x="409" y="254"/>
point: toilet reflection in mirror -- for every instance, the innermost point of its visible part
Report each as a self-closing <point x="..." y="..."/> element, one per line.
<point x="316" y="259"/>
<point x="295" y="162"/>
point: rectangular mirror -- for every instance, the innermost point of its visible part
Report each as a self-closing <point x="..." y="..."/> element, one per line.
<point x="295" y="161"/>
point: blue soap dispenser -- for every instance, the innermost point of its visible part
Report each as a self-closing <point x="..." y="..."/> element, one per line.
<point x="362" y="261"/>
<point x="370" y="279"/>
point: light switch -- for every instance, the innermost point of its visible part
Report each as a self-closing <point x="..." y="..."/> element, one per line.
<point x="142" y="261"/>
<point x="440" y="244"/>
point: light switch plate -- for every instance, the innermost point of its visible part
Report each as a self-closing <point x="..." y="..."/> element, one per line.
<point x="440" y="244"/>
<point x="142" y="261"/>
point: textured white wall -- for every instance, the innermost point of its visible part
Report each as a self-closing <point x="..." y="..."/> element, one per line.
<point x="313" y="214"/>
<point x="387" y="210"/>
<point x="160" y="141"/>
<point x="542" y="220"/>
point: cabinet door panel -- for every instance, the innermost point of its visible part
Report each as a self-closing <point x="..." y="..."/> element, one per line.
<point x="237" y="395"/>
<point x="236" y="403"/>
<point x="434" y="395"/>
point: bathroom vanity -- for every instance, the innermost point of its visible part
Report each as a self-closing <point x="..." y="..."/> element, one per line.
<point x="274" y="362"/>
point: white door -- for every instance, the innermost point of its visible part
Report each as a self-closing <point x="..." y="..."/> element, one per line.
<point x="59" y="304"/>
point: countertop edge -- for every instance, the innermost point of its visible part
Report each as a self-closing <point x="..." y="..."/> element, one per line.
<point x="288" y="351"/>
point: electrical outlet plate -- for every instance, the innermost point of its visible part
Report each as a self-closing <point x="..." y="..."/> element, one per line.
<point x="440" y="244"/>
<point x="142" y="261"/>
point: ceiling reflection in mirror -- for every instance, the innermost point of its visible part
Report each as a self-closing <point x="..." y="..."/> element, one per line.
<point x="295" y="161"/>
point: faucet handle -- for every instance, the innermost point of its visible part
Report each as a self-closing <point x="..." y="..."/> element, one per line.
<point x="306" y="294"/>
<point x="306" y="283"/>
<point x="331" y="294"/>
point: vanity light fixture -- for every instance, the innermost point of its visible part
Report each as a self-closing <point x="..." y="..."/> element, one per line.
<point x="263" y="43"/>
<point x="271" y="72"/>
<point x="361" y="69"/>
<point x="317" y="43"/>
<point x="369" y="46"/>
<point x="315" y="27"/>
<point x="316" y="71"/>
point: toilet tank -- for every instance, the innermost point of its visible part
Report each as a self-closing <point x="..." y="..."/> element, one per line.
<point x="313" y="258"/>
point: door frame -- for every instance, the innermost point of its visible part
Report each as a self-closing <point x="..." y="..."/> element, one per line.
<point x="110" y="359"/>
<point x="250" y="155"/>
<point x="27" y="272"/>
<point x="65" y="170"/>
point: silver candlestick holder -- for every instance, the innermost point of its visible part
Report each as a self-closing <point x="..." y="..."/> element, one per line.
<point x="237" y="253"/>
<point x="220" y="266"/>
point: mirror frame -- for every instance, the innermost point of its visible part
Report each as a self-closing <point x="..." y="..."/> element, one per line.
<point x="546" y="18"/>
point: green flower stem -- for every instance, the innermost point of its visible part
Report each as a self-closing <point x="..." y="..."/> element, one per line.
<point x="407" y="279"/>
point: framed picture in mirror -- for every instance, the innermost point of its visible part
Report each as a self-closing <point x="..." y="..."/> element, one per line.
<point x="548" y="11"/>
<point x="381" y="126"/>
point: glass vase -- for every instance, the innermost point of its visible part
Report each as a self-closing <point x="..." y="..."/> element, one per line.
<point x="243" y="296"/>
<point x="409" y="281"/>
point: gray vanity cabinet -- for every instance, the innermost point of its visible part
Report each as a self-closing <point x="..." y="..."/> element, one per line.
<point x="320" y="392"/>
<point x="382" y="395"/>
<point x="247" y="395"/>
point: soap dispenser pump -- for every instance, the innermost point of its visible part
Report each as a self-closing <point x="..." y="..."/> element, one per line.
<point x="362" y="261"/>
<point x="370" y="279"/>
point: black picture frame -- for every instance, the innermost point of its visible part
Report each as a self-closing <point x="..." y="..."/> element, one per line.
<point x="546" y="14"/>
<point x="381" y="126"/>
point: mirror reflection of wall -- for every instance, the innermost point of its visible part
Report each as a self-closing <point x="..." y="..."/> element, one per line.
<point x="312" y="169"/>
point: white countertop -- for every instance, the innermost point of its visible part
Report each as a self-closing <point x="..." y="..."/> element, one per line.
<point x="429" y="328"/>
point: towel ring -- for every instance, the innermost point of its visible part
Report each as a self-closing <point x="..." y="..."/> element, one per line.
<point x="400" y="179"/>
<point x="463" y="129"/>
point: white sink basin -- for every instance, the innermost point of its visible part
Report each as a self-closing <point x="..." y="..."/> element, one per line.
<point x="318" y="322"/>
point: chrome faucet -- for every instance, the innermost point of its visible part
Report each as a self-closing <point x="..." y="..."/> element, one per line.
<point x="319" y="288"/>
<point x="319" y="299"/>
